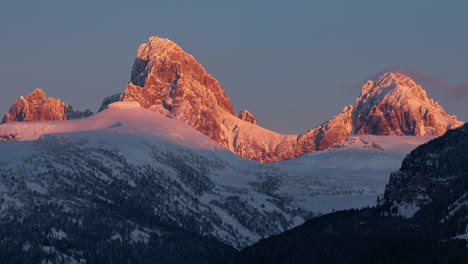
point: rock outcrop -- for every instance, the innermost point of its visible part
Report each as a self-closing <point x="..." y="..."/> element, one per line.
<point x="37" y="107"/>
<point x="168" y="80"/>
<point x="72" y="114"/>
<point x="431" y="171"/>
<point x="247" y="116"/>
<point x="328" y="134"/>
<point x="109" y="100"/>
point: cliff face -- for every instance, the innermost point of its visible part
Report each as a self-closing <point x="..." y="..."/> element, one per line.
<point x="37" y="107"/>
<point x="328" y="134"/>
<point x="437" y="168"/>
<point x="168" y="80"/>
<point x="432" y="185"/>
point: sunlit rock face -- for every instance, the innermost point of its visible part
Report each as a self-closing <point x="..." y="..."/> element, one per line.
<point x="247" y="116"/>
<point x="328" y="134"/>
<point x="167" y="80"/>
<point x="37" y="107"/>
<point x="395" y="105"/>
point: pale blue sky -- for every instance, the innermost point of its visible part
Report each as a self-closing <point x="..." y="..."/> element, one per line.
<point x="293" y="64"/>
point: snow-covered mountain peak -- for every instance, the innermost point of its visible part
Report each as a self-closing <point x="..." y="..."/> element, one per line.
<point x="386" y="78"/>
<point x="393" y="104"/>
<point x="397" y="84"/>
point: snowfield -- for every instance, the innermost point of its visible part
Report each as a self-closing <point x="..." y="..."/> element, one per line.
<point x="130" y="155"/>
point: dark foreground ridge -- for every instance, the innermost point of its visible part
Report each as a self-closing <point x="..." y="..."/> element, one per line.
<point x="356" y="236"/>
<point x="434" y="178"/>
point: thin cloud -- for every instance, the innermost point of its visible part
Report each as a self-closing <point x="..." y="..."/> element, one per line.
<point x="461" y="89"/>
<point x="423" y="79"/>
<point x="427" y="81"/>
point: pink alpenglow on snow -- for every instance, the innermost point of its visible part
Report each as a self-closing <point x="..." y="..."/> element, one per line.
<point x="170" y="82"/>
<point x="119" y="118"/>
<point x="167" y="80"/>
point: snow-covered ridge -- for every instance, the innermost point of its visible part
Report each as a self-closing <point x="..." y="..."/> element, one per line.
<point x="241" y="200"/>
<point x="120" y="117"/>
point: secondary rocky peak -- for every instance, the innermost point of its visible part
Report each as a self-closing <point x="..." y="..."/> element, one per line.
<point x="247" y="116"/>
<point x="109" y="100"/>
<point x="327" y="134"/>
<point x="393" y="104"/>
<point x="390" y="82"/>
<point x="75" y="114"/>
<point x="38" y="107"/>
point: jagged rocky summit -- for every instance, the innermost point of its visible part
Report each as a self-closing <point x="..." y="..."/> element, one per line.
<point x="394" y="104"/>
<point x="38" y="107"/>
<point x="168" y="80"/>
